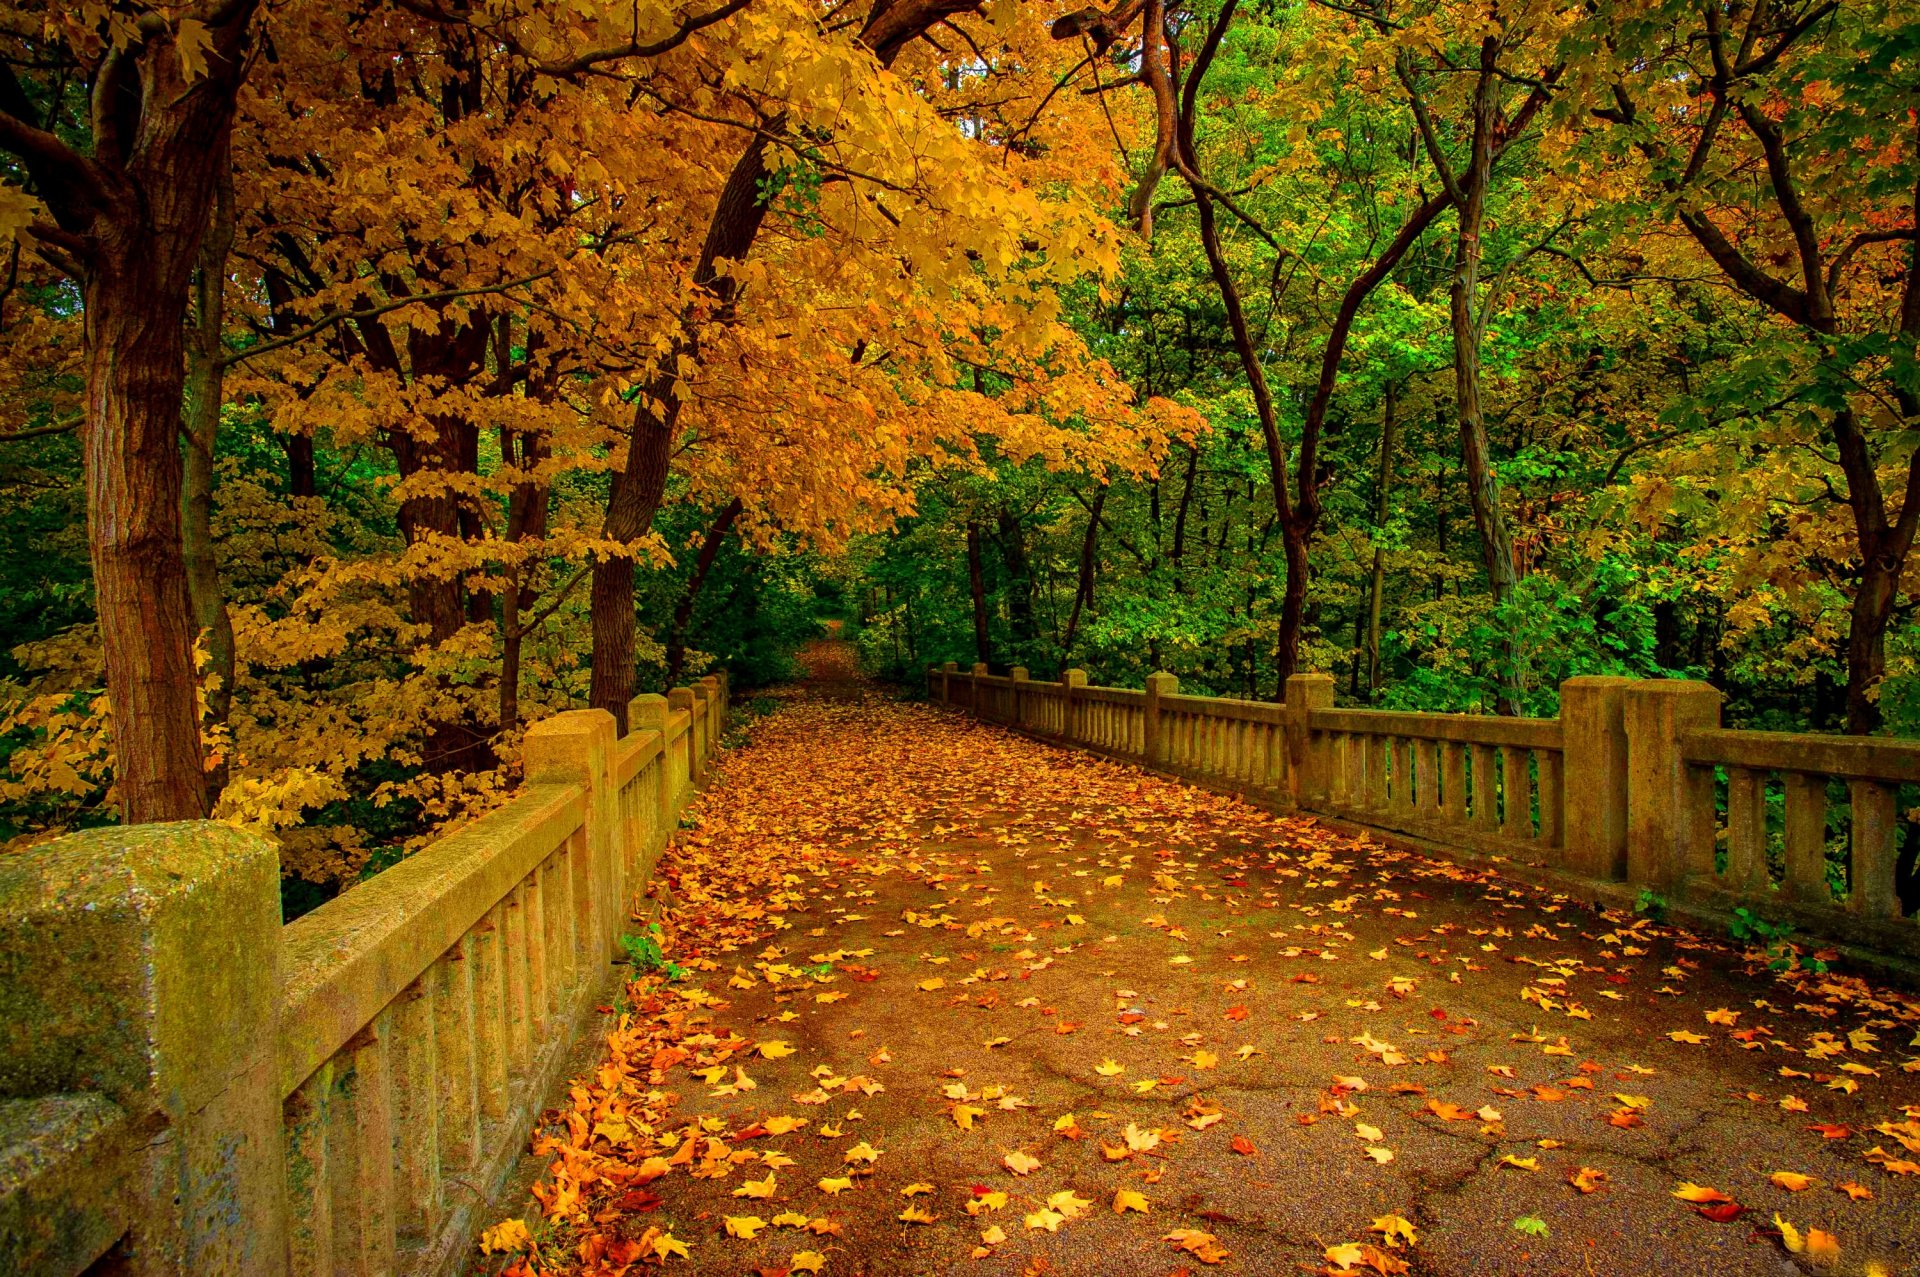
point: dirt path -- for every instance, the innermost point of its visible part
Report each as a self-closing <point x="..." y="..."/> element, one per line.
<point x="1007" y="987"/>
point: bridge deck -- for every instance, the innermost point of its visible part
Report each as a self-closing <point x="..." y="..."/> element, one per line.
<point x="1281" y="1040"/>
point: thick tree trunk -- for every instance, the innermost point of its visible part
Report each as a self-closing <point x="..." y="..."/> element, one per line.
<point x="127" y="221"/>
<point x="1013" y="552"/>
<point x="135" y="298"/>
<point x="690" y="593"/>
<point x="635" y="499"/>
<point x="205" y="393"/>
<point x="976" y="583"/>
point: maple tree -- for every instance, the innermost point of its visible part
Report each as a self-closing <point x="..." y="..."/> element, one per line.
<point x="520" y="358"/>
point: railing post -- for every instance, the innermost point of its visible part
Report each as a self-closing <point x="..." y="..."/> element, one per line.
<point x="1593" y="776"/>
<point x="947" y="672"/>
<point x="716" y="693"/>
<point x="1019" y="696"/>
<point x="1307" y="764"/>
<point x="1069" y="680"/>
<point x="648" y="711"/>
<point x="576" y="748"/>
<point x="1666" y="823"/>
<point x="141" y="965"/>
<point x="1158" y="685"/>
<point x="681" y="699"/>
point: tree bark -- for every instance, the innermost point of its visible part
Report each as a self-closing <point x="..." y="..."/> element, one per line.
<point x="127" y="221"/>
<point x="1382" y="506"/>
<point x="1483" y="484"/>
<point x="976" y="582"/>
<point x="205" y="394"/>
<point x="1083" y="593"/>
<point x="891" y="25"/>
<point x="1013" y="552"/>
<point x="528" y="505"/>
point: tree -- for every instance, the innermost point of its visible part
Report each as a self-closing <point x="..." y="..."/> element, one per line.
<point x="124" y="215"/>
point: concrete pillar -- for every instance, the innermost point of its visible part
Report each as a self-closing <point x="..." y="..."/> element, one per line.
<point x="1594" y="775"/>
<point x="702" y="726"/>
<point x="1158" y="685"/>
<point x="1308" y="763"/>
<point x="576" y="748"/>
<point x="648" y="712"/>
<point x="1070" y="681"/>
<point x="686" y="760"/>
<point x="716" y="692"/>
<point x="1669" y="828"/>
<point x="139" y="968"/>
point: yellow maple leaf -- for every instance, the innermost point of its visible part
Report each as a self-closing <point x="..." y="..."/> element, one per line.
<point x="507" y="1235"/>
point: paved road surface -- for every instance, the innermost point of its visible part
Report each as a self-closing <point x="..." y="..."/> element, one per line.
<point x="1305" y="1038"/>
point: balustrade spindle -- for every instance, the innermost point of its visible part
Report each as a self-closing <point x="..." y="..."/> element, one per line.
<point x="585" y="923"/>
<point x="556" y="897"/>
<point x="1806" y="836"/>
<point x="416" y="1116"/>
<point x="451" y="980"/>
<point x="1553" y="805"/>
<point x="1516" y="793"/>
<point x="1746" y="829"/>
<point x="1427" y="764"/>
<point x="1453" y="782"/>
<point x="309" y="1113"/>
<point x="539" y="977"/>
<point x="362" y="1173"/>
<point x="485" y="950"/>
<point x="1876" y="830"/>
<point x="1403" y="790"/>
<point x="518" y="972"/>
<point x="1698" y="820"/>
<point x="1486" y="788"/>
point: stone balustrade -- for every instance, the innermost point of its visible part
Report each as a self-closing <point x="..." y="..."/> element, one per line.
<point x="1634" y="786"/>
<point x="189" y="1086"/>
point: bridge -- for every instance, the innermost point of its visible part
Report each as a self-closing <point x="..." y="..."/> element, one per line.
<point x="1033" y="977"/>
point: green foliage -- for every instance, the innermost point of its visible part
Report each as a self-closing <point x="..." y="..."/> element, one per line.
<point x="644" y="952"/>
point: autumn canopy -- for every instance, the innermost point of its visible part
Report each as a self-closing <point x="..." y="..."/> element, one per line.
<point x="382" y="376"/>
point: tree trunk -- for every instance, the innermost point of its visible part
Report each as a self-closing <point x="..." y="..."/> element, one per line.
<point x="126" y="221"/>
<point x="690" y="593"/>
<point x="205" y="393"/>
<point x="1013" y="552"/>
<point x="635" y="499"/>
<point x="527" y="508"/>
<point x="1083" y="593"/>
<point x="1389" y="429"/>
<point x="299" y="447"/>
<point x="1483" y="485"/>
<point x="134" y="301"/>
<point x="976" y="582"/>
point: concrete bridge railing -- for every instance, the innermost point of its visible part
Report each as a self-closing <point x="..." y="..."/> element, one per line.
<point x="189" y="1086"/>
<point x="1634" y="786"/>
